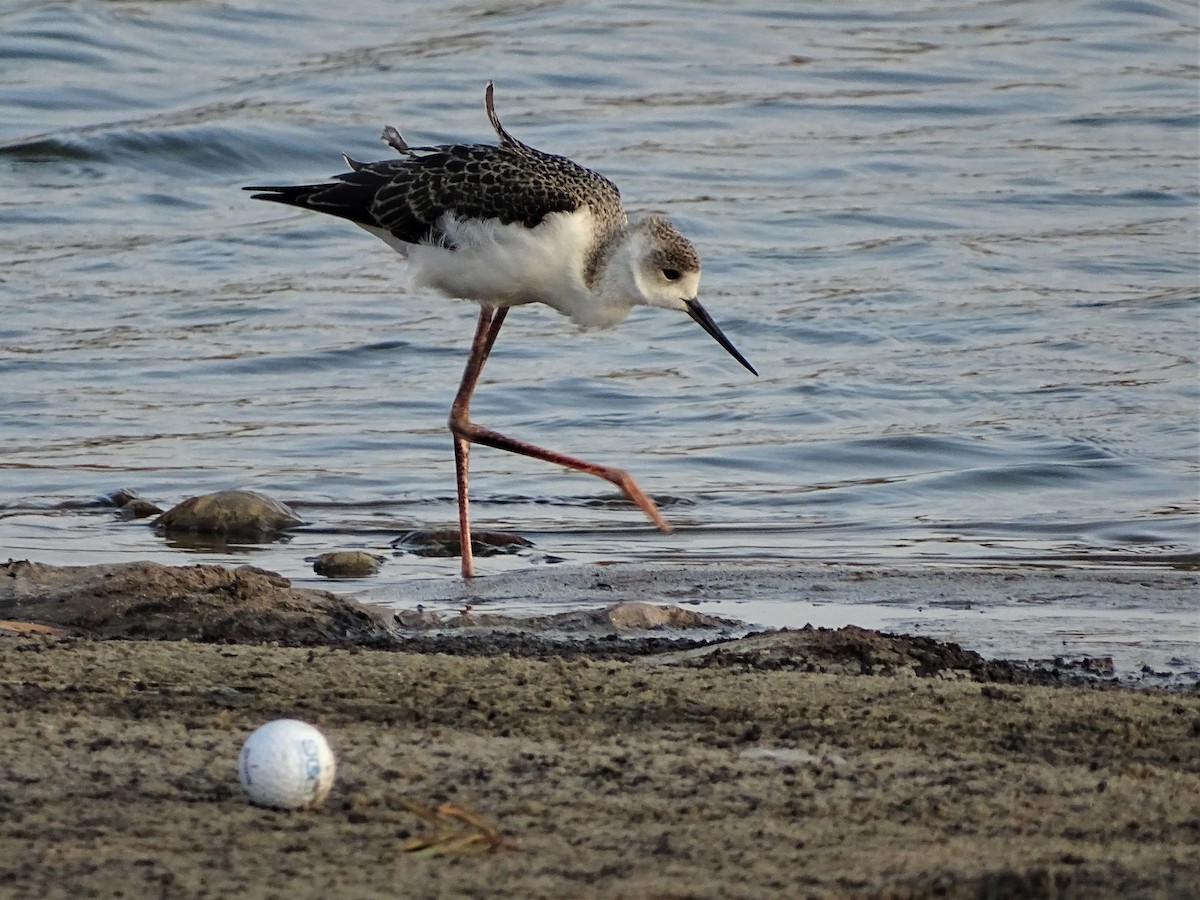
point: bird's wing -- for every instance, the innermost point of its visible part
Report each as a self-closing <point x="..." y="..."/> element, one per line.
<point x="409" y="196"/>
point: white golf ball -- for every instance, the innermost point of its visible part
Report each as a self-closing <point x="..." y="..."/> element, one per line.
<point x="287" y="764"/>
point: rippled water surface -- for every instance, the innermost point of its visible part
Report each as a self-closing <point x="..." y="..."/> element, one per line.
<point x="958" y="240"/>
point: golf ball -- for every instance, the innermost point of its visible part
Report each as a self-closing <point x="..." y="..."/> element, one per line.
<point x="287" y="764"/>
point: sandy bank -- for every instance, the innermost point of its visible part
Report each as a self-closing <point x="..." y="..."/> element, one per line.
<point x="631" y="777"/>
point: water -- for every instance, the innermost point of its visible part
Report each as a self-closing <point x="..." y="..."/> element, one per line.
<point x="959" y="241"/>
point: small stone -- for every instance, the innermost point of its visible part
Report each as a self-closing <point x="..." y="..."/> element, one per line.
<point x="120" y="497"/>
<point x="137" y="508"/>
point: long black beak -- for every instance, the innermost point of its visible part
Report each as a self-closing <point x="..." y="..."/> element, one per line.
<point x="701" y="317"/>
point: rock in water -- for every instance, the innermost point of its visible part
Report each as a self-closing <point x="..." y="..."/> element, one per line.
<point x="347" y="564"/>
<point x="229" y="514"/>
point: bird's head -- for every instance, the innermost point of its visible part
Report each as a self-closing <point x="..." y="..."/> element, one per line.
<point x="663" y="265"/>
<point x="664" y="269"/>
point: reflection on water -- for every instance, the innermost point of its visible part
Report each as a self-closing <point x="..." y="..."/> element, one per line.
<point x="958" y="241"/>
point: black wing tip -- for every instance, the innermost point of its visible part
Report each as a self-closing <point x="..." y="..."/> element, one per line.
<point x="267" y="192"/>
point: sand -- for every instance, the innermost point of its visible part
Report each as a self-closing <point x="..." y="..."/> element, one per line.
<point x="756" y="772"/>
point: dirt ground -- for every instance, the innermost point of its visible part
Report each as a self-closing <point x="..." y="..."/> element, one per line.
<point x="767" y="767"/>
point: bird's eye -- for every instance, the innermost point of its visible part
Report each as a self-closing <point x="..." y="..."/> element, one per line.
<point x="672" y="274"/>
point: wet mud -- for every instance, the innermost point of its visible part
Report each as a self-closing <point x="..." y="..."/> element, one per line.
<point x="809" y="763"/>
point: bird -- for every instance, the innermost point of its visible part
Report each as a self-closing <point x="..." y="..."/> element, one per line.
<point x="506" y="225"/>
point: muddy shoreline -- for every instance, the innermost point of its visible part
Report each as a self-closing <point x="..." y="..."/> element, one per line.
<point x="762" y="767"/>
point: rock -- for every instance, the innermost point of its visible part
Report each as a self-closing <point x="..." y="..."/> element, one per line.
<point x="137" y="508"/>
<point x="441" y="542"/>
<point x="119" y="498"/>
<point x="248" y="515"/>
<point x="148" y="601"/>
<point x="347" y="564"/>
<point x="418" y="619"/>
<point x="847" y="651"/>
<point x="645" y="616"/>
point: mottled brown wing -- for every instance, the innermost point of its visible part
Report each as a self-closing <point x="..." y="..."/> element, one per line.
<point x="408" y="196"/>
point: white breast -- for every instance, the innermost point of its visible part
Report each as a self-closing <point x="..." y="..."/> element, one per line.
<point x="508" y="265"/>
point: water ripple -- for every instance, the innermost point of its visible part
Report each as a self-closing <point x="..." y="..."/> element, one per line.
<point x="958" y="240"/>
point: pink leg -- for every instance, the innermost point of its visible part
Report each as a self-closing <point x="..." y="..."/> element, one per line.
<point x="485" y="335"/>
<point x="467" y="432"/>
